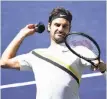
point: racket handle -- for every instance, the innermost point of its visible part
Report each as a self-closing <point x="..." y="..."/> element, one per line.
<point x="102" y="67"/>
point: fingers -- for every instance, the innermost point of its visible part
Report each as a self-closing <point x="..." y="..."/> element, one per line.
<point x="28" y="30"/>
<point x="31" y="26"/>
<point x="94" y="68"/>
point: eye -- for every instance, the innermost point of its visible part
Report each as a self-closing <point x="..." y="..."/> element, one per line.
<point x="56" y="24"/>
<point x="65" y="26"/>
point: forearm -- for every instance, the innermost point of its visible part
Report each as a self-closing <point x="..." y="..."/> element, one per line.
<point x="12" y="48"/>
<point x="7" y="57"/>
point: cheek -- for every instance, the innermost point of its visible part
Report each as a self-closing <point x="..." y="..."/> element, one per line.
<point x="67" y="31"/>
<point x="53" y="30"/>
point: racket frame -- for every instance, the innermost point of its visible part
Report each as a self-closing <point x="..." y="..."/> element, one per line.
<point x="87" y="59"/>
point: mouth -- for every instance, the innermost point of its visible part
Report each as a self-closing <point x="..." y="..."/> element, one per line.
<point x="61" y="35"/>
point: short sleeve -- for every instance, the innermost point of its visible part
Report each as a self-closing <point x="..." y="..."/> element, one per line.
<point x="24" y="61"/>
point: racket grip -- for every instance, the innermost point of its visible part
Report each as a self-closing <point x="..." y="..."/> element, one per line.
<point x="102" y="67"/>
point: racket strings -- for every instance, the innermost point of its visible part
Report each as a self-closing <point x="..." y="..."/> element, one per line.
<point x="82" y="46"/>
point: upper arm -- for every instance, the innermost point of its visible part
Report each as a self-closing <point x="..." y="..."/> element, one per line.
<point x="10" y="63"/>
<point x="20" y="62"/>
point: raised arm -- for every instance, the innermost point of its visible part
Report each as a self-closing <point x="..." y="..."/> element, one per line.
<point x="7" y="59"/>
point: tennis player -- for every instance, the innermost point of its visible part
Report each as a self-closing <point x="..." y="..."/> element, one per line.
<point x="57" y="71"/>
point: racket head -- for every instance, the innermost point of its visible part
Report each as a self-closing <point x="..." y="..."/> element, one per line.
<point x="83" y="42"/>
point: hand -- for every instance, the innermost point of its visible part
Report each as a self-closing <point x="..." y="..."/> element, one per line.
<point x="94" y="68"/>
<point x="28" y="30"/>
<point x="101" y="67"/>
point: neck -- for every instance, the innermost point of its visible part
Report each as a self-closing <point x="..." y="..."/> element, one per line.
<point x="55" y="45"/>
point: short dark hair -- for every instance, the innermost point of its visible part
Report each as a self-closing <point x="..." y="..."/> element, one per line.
<point x="60" y="10"/>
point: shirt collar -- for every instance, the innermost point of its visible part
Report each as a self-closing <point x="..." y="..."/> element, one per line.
<point x="58" y="47"/>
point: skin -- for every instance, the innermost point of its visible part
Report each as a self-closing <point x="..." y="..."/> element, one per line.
<point x="8" y="57"/>
<point x="58" y="29"/>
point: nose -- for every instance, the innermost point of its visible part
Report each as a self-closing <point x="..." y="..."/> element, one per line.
<point x="61" y="28"/>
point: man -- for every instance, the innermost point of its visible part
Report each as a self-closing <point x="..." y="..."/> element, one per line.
<point x="57" y="71"/>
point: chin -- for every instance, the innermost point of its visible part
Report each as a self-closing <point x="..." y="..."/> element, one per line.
<point x="59" y="40"/>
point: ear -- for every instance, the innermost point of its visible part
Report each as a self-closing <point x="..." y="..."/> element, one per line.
<point x="49" y="25"/>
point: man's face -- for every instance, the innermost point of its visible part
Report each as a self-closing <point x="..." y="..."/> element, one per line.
<point x="59" y="28"/>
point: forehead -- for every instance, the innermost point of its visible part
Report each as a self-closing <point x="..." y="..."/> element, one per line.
<point x="61" y="21"/>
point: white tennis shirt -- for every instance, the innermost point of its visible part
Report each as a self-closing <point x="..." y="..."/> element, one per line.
<point x="51" y="81"/>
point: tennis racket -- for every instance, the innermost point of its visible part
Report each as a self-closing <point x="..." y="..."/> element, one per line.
<point x="84" y="46"/>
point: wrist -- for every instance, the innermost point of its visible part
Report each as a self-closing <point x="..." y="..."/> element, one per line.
<point x="20" y="36"/>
